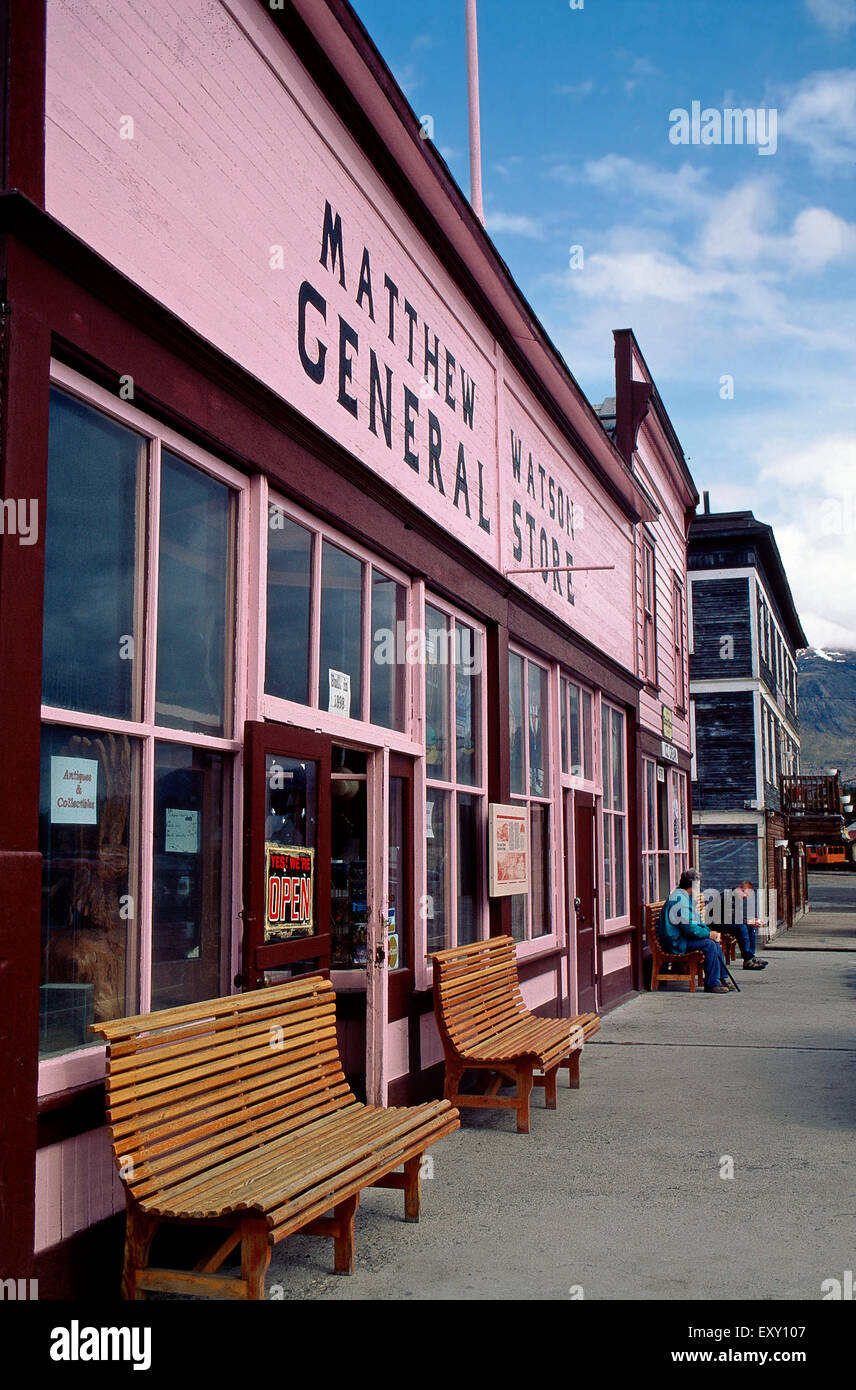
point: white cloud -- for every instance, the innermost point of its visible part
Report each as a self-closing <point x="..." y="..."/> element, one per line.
<point x="516" y="223"/>
<point x="820" y="114"/>
<point x="574" y="89"/>
<point x="838" y="16"/>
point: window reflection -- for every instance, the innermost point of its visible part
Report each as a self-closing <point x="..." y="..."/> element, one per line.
<point x="96" y="477"/>
<point x="289" y="581"/>
<point x="195" y="587"/>
<point x="340" y="672"/>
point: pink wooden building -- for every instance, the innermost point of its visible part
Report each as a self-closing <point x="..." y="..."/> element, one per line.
<point x="311" y="477"/>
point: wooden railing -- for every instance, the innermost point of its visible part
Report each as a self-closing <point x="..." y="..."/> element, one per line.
<point x="811" y="796"/>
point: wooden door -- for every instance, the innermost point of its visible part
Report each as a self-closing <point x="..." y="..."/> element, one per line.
<point x="583" y="908"/>
<point x="286" y="805"/>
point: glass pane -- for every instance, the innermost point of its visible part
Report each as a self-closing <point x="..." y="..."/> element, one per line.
<point x="389" y="655"/>
<point x="467" y="703"/>
<point x="188" y="898"/>
<point x="349" y="861"/>
<point x="469" y="868"/>
<point x="607" y="867"/>
<point x="539" y="771"/>
<point x="576" y="748"/>
<point x="620" y="895"/>
<point x="92" y="641"/>
<point x="437" y="662"/>
<point x="618" y="760"/>
<point x="437" y="905"/>
<point x="515" y="722"/>
<point x="604" y="756"/>
<point x="542" y="898"/>
<point x="289" y="587"/>
<point x="665" y="885"/>
<point x="340" y="680"/>
<point x="290" y="801"/>
<point x="650" y="806"/>
<point x="194" y="587"/>
<point x="88" y="839"/>
<point x="396" y="884"/>
<point x="588" y="732"/>
<point x="519" y="908"/>
<point x="563" y="722"/>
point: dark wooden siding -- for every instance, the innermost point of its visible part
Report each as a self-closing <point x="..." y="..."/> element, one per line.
<point x="725" y="750"/>
<point x="720" y="611"/>
<point x="727" y="855"/>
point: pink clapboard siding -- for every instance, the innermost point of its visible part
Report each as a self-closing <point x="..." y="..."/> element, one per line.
<point x="616" y="958"/>
<point x="555" y="511"/>
<point x="216" y="206"/>
<point x="76" y="1185"/>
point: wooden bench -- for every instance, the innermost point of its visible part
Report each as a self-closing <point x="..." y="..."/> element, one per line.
<point x="485" y="1026"/>
<point x="235" y="1113"/>
<point x="690" y="963"/>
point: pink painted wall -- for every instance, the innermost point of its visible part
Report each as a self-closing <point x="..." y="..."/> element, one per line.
<point x="76" y="1185"/>
<point x="215" y="205"/>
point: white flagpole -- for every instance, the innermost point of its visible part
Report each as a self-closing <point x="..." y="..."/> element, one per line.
<point x="473" y="101"/>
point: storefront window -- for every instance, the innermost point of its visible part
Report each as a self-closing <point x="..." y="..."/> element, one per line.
<point x="577" y="731"/>
<point x="187" y="894"/>
<point x="614" y="813"/>
<point x="349" y="860"/>
<point x="133" y="825"/>
<point x="89" y="841"/>
<point x="340" y="671"/>
<point x="194" y="599"/>
<point x="532" y="912"/>
<point x="289" y="590"/>
<point x="93" y="566"/>
<point x="336" y="634"/>
<point x="455" y="800"/>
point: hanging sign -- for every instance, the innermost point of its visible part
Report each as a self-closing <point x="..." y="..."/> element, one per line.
<point x="667" y="722"/>
<point x="509" y="850"/>
<point x="289" y="891"/>
<point x="74" y="791"/>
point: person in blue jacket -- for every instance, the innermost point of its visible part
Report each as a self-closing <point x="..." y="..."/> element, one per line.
<point x="681" y="929"/>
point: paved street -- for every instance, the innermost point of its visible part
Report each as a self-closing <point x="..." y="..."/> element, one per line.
<point x="830" y="923"/>
<point x="619" y="1190"/>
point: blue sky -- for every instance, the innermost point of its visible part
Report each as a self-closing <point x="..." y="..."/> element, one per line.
<point x="726" y="262"/>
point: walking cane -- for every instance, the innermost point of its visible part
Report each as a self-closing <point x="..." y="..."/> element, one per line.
<point x="731" y="978"/>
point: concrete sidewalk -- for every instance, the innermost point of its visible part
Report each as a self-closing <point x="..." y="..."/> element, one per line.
<point x="619" y="1190"/>
<point x="830" y="923"/>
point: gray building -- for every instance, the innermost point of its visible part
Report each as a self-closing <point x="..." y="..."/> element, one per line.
<point x="744" y="636"/>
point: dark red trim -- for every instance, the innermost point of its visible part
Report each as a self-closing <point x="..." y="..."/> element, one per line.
<point x="69" y="1113"/>
<point x="23" y="44"/>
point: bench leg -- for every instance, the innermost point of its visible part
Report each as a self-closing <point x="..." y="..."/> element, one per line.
<point x="550" y="1079"/>
<point x="255" y="1257"/>
<point x="139" y="1234"/>
<point x="413" y="1188"/>
<point x="574" y="1071"/>
<point x="343" y="1242"/>
<point x="524" y="1091"/>
<point x="453" y="1081"/>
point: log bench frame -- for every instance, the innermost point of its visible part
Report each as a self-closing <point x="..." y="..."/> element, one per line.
<point x="234" y="1114"/>
<point x="484" y="1026"/>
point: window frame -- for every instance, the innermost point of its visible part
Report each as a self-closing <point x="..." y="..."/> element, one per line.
<point x="530" y="945"/>
<point x="679" y="646"/>
<point x="453" y="788"/>
<point x="86" y="1065"/>
<point x="611" y="925"/>
<point x="650" y="672"/>
<point x="311" y="715"/>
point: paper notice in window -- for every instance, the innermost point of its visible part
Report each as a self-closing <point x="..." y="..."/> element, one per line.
<point x="509" y="850"/>
<point x="181" y="831"/>
<point x="74" y="791"/>
<point x="340" y="692"/>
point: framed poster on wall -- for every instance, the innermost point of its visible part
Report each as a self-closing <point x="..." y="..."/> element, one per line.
<point x="508" y="835"/>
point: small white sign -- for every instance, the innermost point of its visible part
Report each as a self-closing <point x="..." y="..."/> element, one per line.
<point x="181" y="831"/>
<point x="669" y="752"/>
<point x="340" y="692"/>
<point x="429" y="816"/>
<point x="74" y="791"/>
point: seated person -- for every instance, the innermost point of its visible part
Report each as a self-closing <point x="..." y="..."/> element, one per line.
<point x="681" y="929"/>
<point x="730" y="911"/>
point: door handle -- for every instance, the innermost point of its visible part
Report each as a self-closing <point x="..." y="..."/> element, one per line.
<point x="577" y="904"/>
